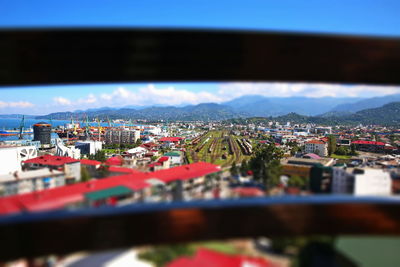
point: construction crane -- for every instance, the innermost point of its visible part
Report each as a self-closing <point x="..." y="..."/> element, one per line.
<point x="74" y="125"/>
<point x="87" y="128"/>
<point x="21" y="127"/>
<point x="100" y="128"/>
<point x="109" y="122"/>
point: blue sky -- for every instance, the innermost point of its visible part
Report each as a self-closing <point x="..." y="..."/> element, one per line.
<point x="366" y="17"/>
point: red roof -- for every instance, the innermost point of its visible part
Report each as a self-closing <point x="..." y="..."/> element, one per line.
<point x="163" y="159"/>
<point x="186" y="172"/>
<point x="116" y="161"/>
<point x="90" y="162"/>
<point x="148" y="145"/>
<point x="51" y="160"/>
<point x="61" y="196"/>
<point x="210" y="258"/>
<point x="170" y="139"/>
<point x="362" y="142"/>
<point x="154" y="164"/>
<point x="124" y="170"/>
<point x="316" y="142"/>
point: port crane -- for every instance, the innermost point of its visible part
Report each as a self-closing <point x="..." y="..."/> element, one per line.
<point x="21" y="127"/>
<point x="100" y="128"/>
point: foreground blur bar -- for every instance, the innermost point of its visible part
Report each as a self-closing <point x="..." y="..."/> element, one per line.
<point x="62" y="232"/>
<point x="48" y="56"/>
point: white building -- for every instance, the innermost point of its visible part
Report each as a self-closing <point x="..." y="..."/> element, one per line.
<point x="29" y="181"/>
<point x="323" y="130"/>
<point x="361" y="182"/>
<point x="317" y="147"/>
<point x="175" y="157"/>
<point x="153" y="130"/>
<point x="64" y="151"/>
<point x="137" y="152"/>
<point x="89" y="147"/>
<point x="12" y="156"/>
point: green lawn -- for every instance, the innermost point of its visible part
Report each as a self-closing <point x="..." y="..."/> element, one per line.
<point x="223" y="247"/>
<point x="110" y="151"/>
<point x="340" y="156"/>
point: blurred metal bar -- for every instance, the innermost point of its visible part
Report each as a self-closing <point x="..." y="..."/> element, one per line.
<point x="48" y="56"/>
<point x="61" y="232"/>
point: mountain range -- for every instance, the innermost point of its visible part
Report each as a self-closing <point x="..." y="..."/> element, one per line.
<point x="388" y="115"/>
<point x="242" y="107"/>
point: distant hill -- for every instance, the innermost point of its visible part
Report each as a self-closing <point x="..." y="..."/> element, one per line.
<point x="367" y="103"/>
<point x="206" y="111"/>
<point x="282" y="109"/>
<point x="388" y="115"/>
<point x="257" y="105"/>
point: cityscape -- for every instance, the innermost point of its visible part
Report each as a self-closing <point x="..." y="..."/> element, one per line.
<point x="108" y="158"/>
<point x="200" y="133"/>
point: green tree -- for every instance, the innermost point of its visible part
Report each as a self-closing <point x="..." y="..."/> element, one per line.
<point x="265" y="164"/>
<point x="100" y="155"/>
<point x="296" y="181"/>
<point x="103" y="171"/>
<point x="341" y="150"/>
<point x="244" y="168"/>
<point x="85" y="176"/>
<point x="138" y="142"/>
<point x="353" y="150"/>
<point x="161" y="255"/>
<point x="331" y="144"/>
<point x="234" y="170"/>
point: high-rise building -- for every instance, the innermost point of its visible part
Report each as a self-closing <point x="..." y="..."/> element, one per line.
<point x="116" y="136"/>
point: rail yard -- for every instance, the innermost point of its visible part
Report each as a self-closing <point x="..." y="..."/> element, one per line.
<point x="219" y="147"/>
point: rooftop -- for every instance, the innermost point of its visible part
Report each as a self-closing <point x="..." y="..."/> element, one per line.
<point x="51" y="160"/>
<point x="362" y="142"/>
<point x="65" y="195"/>
<point x="163" y="159"/>
<point x="317" y="142"/>
<point x="172" y="154"/>
<point x="170" y="139"/>
<point x="90" y="162"/>
<point x="59" y="197"/>
<point x="303" y="161"/>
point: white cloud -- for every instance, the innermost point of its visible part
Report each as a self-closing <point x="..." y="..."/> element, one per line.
<point x="304" y="89"/>
<point x="151" y="95"/>
<point x="62" y="101"/>
<point x="20" y="104"/>
<point x="91" y="98"/>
